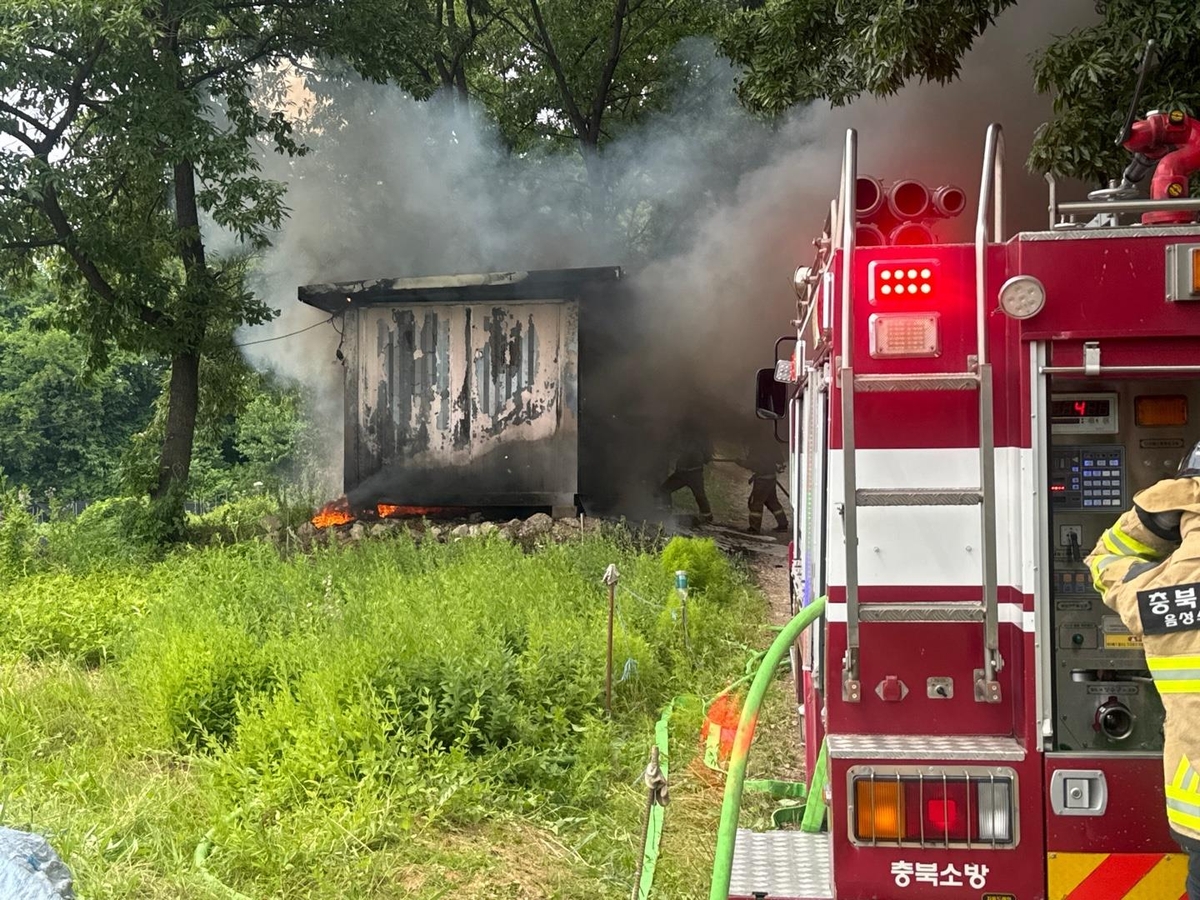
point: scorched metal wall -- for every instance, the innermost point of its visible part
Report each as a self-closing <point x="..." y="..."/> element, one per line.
<point x="463" y="402"/>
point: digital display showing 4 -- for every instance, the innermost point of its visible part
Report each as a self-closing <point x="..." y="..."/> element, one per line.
<point x="1075" y="410"/>
<point x="1083" y="413"/>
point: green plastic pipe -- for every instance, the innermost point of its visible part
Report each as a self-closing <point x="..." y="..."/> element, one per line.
<point x="740" y="755"/>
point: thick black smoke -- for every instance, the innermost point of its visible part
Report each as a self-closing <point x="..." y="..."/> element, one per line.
<point x="709" y="208"/>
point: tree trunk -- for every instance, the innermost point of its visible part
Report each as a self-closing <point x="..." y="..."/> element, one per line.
<point x="597" y="181"/>
<point x="183" y="399"/>
<point x="183" y="402"/>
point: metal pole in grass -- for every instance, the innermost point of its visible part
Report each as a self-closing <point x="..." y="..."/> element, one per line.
<point x="656" y="795"/>
<point x="681" y="585"/>
<point x="611" y="577"/>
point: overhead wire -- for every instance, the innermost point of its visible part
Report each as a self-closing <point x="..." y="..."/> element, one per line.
<point x="280" y="337"/>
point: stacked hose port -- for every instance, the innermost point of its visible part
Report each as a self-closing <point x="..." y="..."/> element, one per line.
<point x="900" y="215"/>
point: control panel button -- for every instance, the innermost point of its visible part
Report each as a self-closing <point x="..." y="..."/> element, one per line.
<point x="1097" y="479"/>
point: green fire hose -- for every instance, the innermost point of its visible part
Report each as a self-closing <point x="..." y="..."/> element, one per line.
<point x="734" y="783"/>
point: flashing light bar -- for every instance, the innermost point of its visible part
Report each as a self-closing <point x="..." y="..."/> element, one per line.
<point x="902" y="280"/>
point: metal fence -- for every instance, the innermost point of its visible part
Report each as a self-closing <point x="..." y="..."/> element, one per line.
<point x="41" y="510"/>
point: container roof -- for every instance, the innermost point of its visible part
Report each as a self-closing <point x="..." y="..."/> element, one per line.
<point x="538" y="284"/>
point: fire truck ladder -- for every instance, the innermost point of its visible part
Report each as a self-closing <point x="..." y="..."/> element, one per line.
<point x="977" y="376"/>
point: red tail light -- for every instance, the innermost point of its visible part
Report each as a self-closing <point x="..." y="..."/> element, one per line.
<point x="942" y="813"/>
<point x="943" y="806"/>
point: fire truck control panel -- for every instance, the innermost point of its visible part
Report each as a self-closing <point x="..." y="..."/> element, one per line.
<point x="1109" y="440"/>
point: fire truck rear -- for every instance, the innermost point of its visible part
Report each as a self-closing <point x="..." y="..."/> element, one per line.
<point x="964" y="421"/>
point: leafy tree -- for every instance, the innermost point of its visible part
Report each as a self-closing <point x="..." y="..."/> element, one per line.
<point x="796" y="51"/>
<point x="251" y="429"/>
<point x="1091" y="75"/>
<point x="122" y="123"/>
<point x="575" y="74"/>
<point x="63" y="427"/>
<point x="442" y="43"/>
<point x="563" y="75"/>
<point x="576" y="71"/>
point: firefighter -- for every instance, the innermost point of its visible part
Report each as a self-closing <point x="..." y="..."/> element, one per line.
<point x="1147" y="569"/>
<point x="764" y="463"/>
<point x="694" y="452"/>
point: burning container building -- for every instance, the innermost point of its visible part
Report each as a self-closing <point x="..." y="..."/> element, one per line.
<point x="476" y="391"/>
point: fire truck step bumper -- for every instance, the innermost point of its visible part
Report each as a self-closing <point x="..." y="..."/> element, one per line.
<point x="919" y="497"/>
<point x="932" y="381"/>
<point x="781" y="865"/>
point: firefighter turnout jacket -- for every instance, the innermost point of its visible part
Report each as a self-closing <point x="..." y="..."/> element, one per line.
<point x="1147" y="569"/>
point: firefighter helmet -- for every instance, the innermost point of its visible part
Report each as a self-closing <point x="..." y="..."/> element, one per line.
<point x="1189" y="466"/>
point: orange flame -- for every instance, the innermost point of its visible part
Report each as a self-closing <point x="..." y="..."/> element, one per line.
<point x="392" y="511"/>
<point x="336" y="512"/>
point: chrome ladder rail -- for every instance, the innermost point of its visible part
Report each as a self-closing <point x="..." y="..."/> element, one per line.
<point x="847" y="207"/>
<point x="991" y="188"/>
<point x="978" y="375"/>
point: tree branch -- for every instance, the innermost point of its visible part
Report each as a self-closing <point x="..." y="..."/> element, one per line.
<point x="600" y="101"/>
<point x="586" y="47"/>
<point x="650" y="26"/>
<point x="91" y="273"/>
<point x="578" y="120"/>
<point x="474" y="32"/>
<point x="24" y="117"/>
<point x="18" y="135"/>
<point x="53" y="51"/>
<point x="525" y="31"/>
<point x="254" y="5"/>
<point x="267" y="47"/>
<point x="74" y="100"/>
<point x="31" y="245"/>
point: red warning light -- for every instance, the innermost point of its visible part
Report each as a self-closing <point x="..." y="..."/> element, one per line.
<point x="891" y="281"/>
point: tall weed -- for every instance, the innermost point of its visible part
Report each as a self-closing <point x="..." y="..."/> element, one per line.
<point x="81" y="619"/>
<point x="706" y="566"/>
<point x="393" y="689"/>
<point x="17" y="532"/>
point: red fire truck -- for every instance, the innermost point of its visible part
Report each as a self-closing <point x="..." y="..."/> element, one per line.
<point x="964" y="421"/>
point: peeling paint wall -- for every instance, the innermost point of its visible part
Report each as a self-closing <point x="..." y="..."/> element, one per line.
<point x="463" y="402"/>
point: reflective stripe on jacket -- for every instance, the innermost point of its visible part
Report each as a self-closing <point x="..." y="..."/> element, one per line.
<point x="1130" y="547"/>
<point x="1183" y="799"/>
<point x="1140" y="553"/>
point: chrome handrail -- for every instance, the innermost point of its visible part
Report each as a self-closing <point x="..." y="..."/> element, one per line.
<point x="991" y="180"/>
<point x="1186" y="204"/>
<point x="1114" y="207"/>
<point x="991" y="189"/>
<point x="847" y="214"/>
<point x="848" y="207"/>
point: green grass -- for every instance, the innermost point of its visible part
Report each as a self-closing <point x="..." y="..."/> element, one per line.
<point x="384" y="720"/>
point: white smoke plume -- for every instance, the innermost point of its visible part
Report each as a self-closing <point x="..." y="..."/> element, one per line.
<point x="425" y="188"/>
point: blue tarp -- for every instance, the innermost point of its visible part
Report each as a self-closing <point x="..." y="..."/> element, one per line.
<point x="30" y="869"/>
